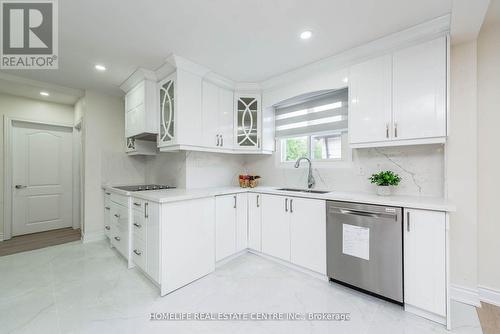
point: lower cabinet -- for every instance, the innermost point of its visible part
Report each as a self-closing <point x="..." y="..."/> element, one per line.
<point x="425" y="261"/>
<point x="186" y="242"/>
<point x="294" y="229"/>
<point x="254" y="221"/>
<point x="231" y="231"/>
<point x="119" y="228"/>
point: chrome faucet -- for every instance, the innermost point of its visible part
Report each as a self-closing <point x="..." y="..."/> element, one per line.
<point x="310" y="178"/>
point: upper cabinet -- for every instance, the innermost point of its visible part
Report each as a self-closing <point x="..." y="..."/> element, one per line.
<point x="400" y="99"/>
<point x="217" y="116"/>
<point x="248" y="122"/>
<point x="180" y="111"/>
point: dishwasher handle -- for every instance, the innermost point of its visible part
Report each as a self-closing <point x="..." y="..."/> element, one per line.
<point x="363" y="213"/>
<point x="359" y="213"/>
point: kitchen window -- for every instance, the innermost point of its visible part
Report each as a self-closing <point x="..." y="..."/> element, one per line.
<point x="314" y="128"/>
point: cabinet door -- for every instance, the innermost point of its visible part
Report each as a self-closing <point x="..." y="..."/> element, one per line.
<point x="167" y="102"/>
<point x="276" y="226"/>
<point x="210" y="111"/>
<point x="425" y="260"/>
<point x="254" y="221"/>
<point x="226" y="118"/>
<point x="134" y="110"/>
<point x="247" y="122"/>
<point x="241" y="222"/>
<point x="370" y="101"/>
<point x="225" y="226"/>
<point x="419" y="90"/>
<point x="308" y="233"/>
<point x="152" y="221"/>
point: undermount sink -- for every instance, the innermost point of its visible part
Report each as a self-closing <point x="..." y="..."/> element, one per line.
<point x="305" y="190"/>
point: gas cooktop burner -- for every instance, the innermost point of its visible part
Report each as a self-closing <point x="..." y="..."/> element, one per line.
<point x="144" y="187"/>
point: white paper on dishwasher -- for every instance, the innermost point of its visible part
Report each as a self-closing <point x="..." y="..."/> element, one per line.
<point x="356" y="241"/>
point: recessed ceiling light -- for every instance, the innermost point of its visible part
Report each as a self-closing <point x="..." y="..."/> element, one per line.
<point x="306" y="34"/>
<point x="100" y="67"/>
<point x="44" y="93"/>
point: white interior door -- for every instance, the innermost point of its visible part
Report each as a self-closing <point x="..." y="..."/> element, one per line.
<point x="42" y="170"/>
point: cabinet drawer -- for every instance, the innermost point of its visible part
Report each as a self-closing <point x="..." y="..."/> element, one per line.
<point x="139" y="256"/>
<point x="138" y="204"/>
<point x="119" y="199"/>
<point x="139" y="226"/>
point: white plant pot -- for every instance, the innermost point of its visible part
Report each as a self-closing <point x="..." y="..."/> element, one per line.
<point x="384" y="190"/>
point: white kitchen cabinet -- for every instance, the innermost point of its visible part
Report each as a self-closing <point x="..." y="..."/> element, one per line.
<point x="294" y="230"/>
<point x="141" y="116"/>
<point x="230" y="225"/>
<point x="400" y="99"/>
<point x="276" y="226"/>
<point x="120" y="236"/>
<point x="187" y="242"/>
<point x="419" y="91"/>
<point x="247" y="123"/>
<point x="180" y="110"/>
<point x="217" y="116"/>
<point x="425" y="261"/>
<point x="308" y="233"/>
<point x="370" y="95"/>
<point x="254" y="221"/>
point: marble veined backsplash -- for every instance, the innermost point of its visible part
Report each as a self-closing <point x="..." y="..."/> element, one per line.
<point x="420" y="167"/>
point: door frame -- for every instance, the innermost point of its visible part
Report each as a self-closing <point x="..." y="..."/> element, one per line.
<point x="8" y="123"/>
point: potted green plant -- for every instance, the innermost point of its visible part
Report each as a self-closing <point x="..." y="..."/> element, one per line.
<point x="384" y="180"/>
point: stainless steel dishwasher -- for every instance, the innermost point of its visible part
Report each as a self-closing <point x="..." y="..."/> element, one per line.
<point x="365" y="248"/>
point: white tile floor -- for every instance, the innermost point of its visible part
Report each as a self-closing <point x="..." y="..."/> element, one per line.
<point x="86" y="288"/>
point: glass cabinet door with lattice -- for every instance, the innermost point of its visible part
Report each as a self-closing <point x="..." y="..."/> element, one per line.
<point x="166" y="133"/>
<point x="247" y="129"/>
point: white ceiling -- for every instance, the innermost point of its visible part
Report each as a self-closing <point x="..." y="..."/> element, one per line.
<point x="244" y="40"/>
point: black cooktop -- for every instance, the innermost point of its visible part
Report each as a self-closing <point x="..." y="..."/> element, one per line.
<point x="144" y="187"/>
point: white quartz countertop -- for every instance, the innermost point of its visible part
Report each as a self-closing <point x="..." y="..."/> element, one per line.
<point x="174" y="195"/>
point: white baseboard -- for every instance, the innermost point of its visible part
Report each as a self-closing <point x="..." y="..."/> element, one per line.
<point x="92" y="236"/>
<point x="465" y="295"/>
<point x="489" y="295"/>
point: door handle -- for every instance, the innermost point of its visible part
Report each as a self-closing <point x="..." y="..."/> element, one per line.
<point x="146" y="213"/>
<point x="395" y="130"/>
<point x="286" y="204"/>
<point x="218" y="140"/>
<point x="221" y="141"/>
<point x="234" y="207"/>
<point x="408" y="221"/>
<point x="386" y="130"/>
<point x="20" y="186"/>
<point x="258" y="205"/>
<point x="291" y="205"/>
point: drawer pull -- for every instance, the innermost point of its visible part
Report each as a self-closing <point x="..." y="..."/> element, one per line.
<point x="107" y="208"/>
<point x="107" y="227"/>
<point x="117" y="238"/>
<point x="137" y="252"/>
<point x="137" y="204"/>
<point x="137" y="225"/>
<point x="117" y="215"/>
<point x="108" y="193"/>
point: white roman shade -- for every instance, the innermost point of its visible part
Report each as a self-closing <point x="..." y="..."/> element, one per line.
<point x="322" y="113"/>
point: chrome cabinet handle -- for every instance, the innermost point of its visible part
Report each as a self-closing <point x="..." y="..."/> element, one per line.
<point x="107" y="208"/>
<point x="218" y="140"/>
<point x="286" y="204"/>
<point x="386" y="130"/>
<point x="258" y="205"/>
<point x="408" y="221"/>
<point x="137" y="252"/>
<point x="107" y="227"/>
<point x="221" y="140"/>
<point x="117" y="238"/>
<point x="20" y="186"/>
<point x="117" y="215"/>
<point x="234" y="207"/>
<point x="108" y="193"/>
<point x="146" y="213"/>
<point x="137" y="225"/>
<point x="291" y="205"/>
<point x="395" y="129"/>
<point x="137" y="204"/>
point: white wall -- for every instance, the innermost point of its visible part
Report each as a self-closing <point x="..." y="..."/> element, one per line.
<point x="489" y="150"/>
<point x="104" y="157"/>
<point x="29" y="109"/>
<point x="461" y="171"/>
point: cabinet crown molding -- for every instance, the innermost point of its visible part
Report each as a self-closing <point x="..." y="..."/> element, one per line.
<point x="174" y="62"/>
<point x="139" y="75"/>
